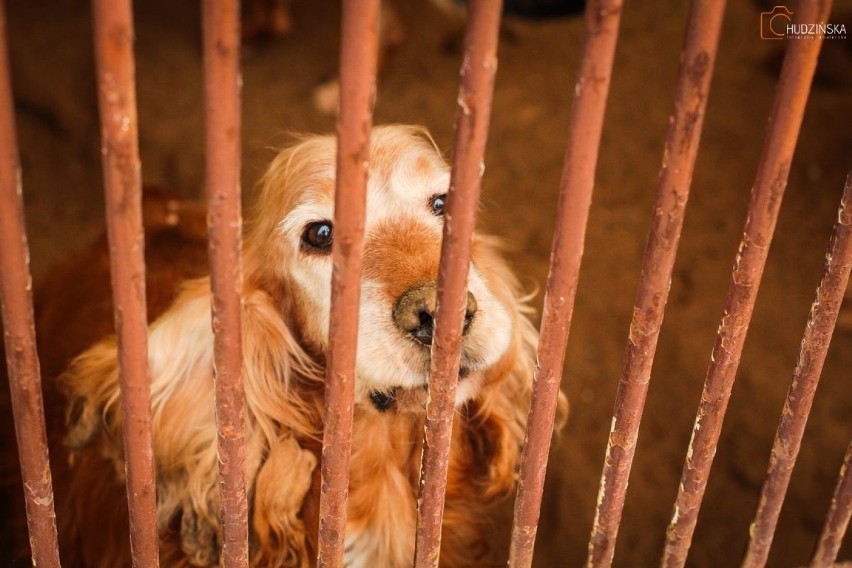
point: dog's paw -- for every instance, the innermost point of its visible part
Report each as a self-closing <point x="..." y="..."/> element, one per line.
<point x="83" y="423"/>
<point x="199" y="538"/>
<point x="285" y="479"/>
<point x="282" y="484"/>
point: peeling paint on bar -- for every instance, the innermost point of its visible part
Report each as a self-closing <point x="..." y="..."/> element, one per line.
<point x="120" y="151"/>
<point x="358" y="54"/>
<point x="221" y="21"/>
<point x="472" y="118"/>
<point x="575" y="197"/>
<point x="19" y="332"/>
<point x="788" y="109"/>
<point x="692" y="89"/>
<point x="806" y="377"/>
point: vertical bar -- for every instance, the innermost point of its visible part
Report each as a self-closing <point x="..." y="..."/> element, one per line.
<point x="120" y="151"/>
<point x="479" y="67"/>
<point x="693" y="84"/>
<point x="358" y="54"/>
<point x="19" y="331"/>
<point x="791" y="428"/>
<point x="768" y="190"/>
<point x="575" y="199"/>
<point x="222" y="95"/>
<point x="837" y="519"/>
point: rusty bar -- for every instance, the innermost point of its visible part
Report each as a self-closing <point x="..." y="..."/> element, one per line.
<point x="768" y="190"/>
<point x="120" y="150"/>
<point x="575" y="198"/>
<point x="791" y="428"/>
<point x="19" y="332"/>
<point x="837" y="519"/>
<point x="358" y="55"/>
<point x="472" y="118"/>
<point x="693" y="85"/>
<point x="222" y="95"/>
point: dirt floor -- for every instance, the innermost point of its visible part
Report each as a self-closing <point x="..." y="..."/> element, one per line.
<point x="55" y="94"/>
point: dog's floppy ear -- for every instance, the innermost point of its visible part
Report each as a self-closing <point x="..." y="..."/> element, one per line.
<point x="183" y="427"/>
<point x="497" y="424"/>
<point x="180" y="350"/>
<point x="488" y="443"/>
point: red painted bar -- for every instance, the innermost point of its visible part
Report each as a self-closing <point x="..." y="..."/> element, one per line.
<point x="791" y="428"/>
<point x="837" y="519"/>
<point x="768" y="190"/>
<point x="222" y="96"/>
<point x="692" y="90"/>
<point x="19" y="332"/>
<point x="472" y="118"/>
<point x="120" y="149"/>
<point x="358" y="54"/>
<point x="575" y="198"/>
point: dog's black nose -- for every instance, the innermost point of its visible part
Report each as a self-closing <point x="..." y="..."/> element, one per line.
<point x="414" y="312"/>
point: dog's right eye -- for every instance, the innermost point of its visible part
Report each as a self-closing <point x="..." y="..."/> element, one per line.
<point x="317" y="236"/>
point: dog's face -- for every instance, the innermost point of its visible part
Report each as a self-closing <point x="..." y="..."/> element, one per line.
<point x="406" y="195"/>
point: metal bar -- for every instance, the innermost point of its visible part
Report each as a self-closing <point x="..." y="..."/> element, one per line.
<point x="358" y="55"/>
<point x="791" y="428"/>
<point x="806" y="377"/>
<point x="693" y="85"/>
<point x="786" y="118"/>
<point x="19" y="332"/>
<point x="472" y="118"/>
<point x="575" y="198"/>
<point x="222" y="90"/>
<point x="837" y="519"/>
<point x="113" y="26"/>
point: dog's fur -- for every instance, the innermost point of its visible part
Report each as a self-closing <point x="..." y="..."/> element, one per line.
<point x="285" y="331"/>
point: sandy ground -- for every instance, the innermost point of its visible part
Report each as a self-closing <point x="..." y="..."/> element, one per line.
<point x="55" y="98"/>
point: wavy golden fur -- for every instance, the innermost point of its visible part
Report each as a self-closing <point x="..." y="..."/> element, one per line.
<point x="284" y="341"/>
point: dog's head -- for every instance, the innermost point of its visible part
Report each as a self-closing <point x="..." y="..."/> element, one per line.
<point x="290" y="243"/>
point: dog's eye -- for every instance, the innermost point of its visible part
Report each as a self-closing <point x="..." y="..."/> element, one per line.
<point x="317" y="236"/>
<point x="436" y="203"/>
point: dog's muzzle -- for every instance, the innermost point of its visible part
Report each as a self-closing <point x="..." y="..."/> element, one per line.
<point x="414" y="315"/>
<point x="414" y="312"/>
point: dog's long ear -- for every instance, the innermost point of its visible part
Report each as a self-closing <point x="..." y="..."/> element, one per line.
<point x="180" y="348"/>
<point x="184" y="431"/>
<point x="497" y="425"/>
<point x="490" y="428"/>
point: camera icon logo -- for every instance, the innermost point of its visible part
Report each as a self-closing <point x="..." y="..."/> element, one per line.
<point x="773" y="24"/>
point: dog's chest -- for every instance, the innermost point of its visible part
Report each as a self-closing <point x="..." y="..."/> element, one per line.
<point x="383" y="493"/>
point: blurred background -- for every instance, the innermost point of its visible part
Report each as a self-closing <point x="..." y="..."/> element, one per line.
<point x="55" y="98"/>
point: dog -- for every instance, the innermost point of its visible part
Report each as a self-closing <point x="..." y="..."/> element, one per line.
<point x="286" y="294"/>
